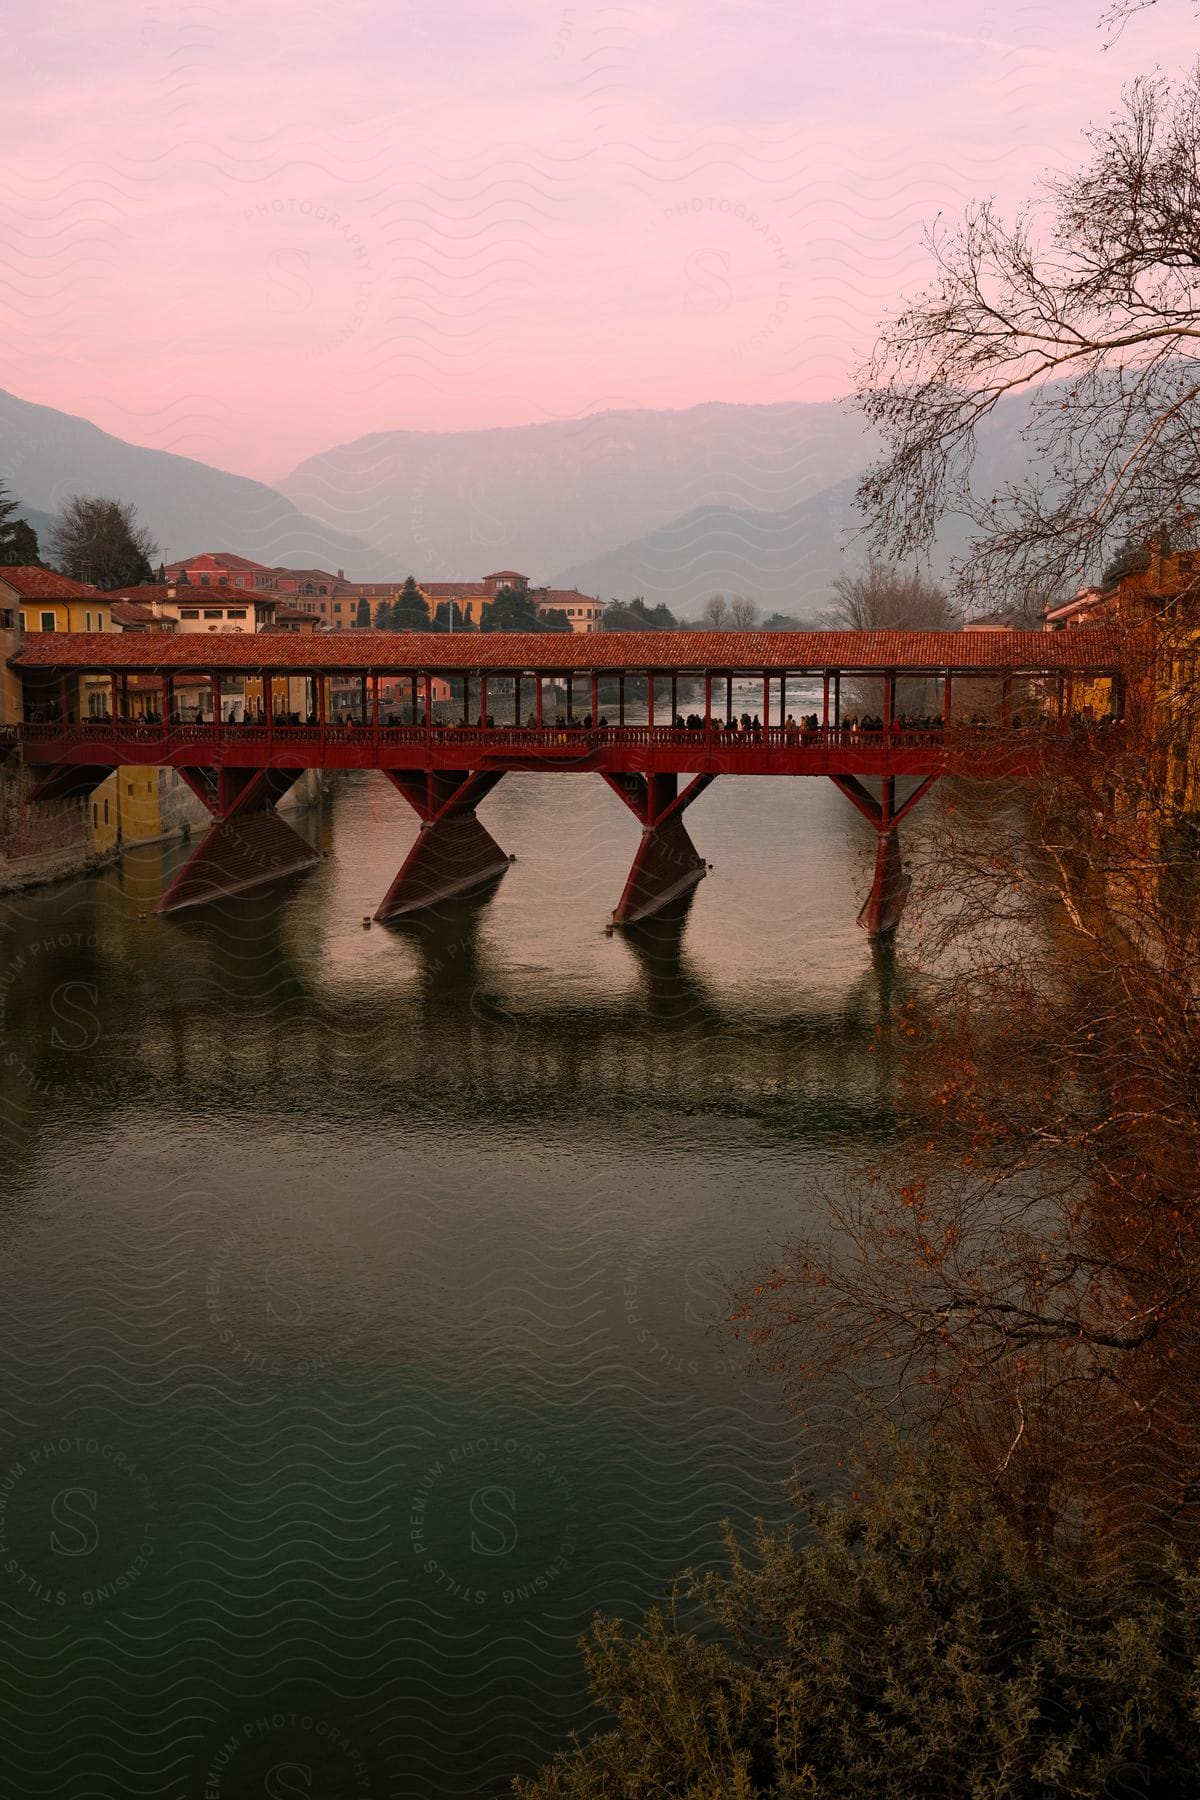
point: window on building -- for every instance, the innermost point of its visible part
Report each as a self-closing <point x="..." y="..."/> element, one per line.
<point x="87" y="621"/>
<point x="322" y="590"/>
<point x="204" y="581"/>
<point x="47" y="621"/>
<point x="95" y="813"/>
<point x="129" y="785"/>
<point x="189" y="612"/>
<point x="213" y="612"/>
<point x="22" y="618"/>
<point x="337" y="606"/>
<point x="235" y="612"/>
<point x="99" y="621"/>
<point x="106" y="812"/>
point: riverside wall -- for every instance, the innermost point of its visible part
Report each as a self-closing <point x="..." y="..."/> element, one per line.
<point x="55" y="840"/>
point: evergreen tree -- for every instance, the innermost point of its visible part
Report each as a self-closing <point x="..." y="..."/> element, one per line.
<point x="442" y="617"/>
<point x="363" y="618"/>
<point x="385" y="616"/>
<point x="19" y="544"/>
<point x="657" y="618"/>
<point x="18" y="539"/>
<point x="410" y="610"/>
<point x="511" y="611"/>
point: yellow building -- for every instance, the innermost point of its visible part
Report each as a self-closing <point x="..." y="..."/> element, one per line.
<point x="1156" y="591"/>
<point x="34" y="600"/>
<point x="125" y="809"/>
<point x="44" y="601"/>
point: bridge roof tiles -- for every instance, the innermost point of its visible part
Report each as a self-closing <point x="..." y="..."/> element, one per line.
<point x="1092" y="649"/>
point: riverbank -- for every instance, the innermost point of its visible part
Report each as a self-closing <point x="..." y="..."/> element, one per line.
<point x="42" y="842"/>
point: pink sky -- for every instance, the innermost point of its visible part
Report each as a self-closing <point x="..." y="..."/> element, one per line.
<point x="246" y="234"/>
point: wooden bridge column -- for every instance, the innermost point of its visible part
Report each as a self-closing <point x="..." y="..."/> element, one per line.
<point x="667" y="862"/>
<point x="453" y="852"/>
<point x="248" y="845"/>
<point x="880" y="912"/>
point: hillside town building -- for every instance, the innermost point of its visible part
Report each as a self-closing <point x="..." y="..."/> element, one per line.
<point x="338" y="603"/>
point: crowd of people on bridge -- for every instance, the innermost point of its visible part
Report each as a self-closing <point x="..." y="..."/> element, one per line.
<point x="748" y="727"/>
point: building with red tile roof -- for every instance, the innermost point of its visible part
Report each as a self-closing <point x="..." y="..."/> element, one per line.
<point x="127" y="615"/>
<point x="29" y="582"/>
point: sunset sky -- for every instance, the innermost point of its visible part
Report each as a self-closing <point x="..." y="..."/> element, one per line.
<point x="246" y="234"/>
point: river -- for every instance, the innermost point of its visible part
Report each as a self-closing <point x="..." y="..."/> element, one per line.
<point x="357" y="1342"/>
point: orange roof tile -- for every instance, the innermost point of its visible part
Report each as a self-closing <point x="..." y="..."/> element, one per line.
<point x="33" y="583"/>
<point x="129" y="614"/>
<point x="1088" y="648"/>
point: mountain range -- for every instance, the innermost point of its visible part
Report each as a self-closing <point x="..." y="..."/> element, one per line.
<point x="673" y="506"/>
<point x="188" y="506"/>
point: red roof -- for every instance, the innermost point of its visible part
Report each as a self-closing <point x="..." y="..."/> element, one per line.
<point x="1096" y="648"/>
<point x="33" y="583"/>
<point x="132" y="617"/>
<point x="218" y="559"/>
<point x="506" y="575"/>
<point x="1089" y="600"/>
<point x="142" y="592"/>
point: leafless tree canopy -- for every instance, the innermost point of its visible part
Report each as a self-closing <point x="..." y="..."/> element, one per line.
<point x="883" y="598"/>
<point x="1022" y="1270"/>
<point x="738" y="614"/>
<point x="99" y="540"/>
<point x="1082" y="317"/>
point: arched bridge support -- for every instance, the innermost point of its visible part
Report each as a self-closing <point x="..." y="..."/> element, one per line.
<point x="881" y="911"/>
<point x="667" y="862"/>
<point x="453" y="853"/>
<point x="248" y="845"/>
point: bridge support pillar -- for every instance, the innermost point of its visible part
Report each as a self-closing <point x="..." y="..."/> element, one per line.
<point x="881" y="911"/>
<point x="248" y="845"/>
<point x="453" y="853"/>
<point x="667" y="863"/>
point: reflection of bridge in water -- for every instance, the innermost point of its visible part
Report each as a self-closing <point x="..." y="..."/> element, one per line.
<point x="134" y="686"/>
<point x="252" y="1021"/>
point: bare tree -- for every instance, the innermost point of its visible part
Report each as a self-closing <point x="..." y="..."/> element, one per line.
<point x="1021" y="1270"/>
<point x="743" y="613"/>
<point x="715" y="616"/>
<point x="1081" y="318"/>
<point x="883" y="598"/>
<point x="100" y="541"/>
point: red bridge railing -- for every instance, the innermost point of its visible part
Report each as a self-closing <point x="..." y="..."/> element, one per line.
<point x="517" y="738"/>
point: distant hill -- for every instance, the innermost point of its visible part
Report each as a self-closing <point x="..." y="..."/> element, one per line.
<point x="786" y="559"/>
<point x="187" y="506"/>
<point x="456" y="505"/>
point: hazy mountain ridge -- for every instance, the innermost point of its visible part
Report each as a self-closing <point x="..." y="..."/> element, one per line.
<point x="786" y="559"/>
<point x="544" y="497"/>
<point x="187" y="505"/>
<point x="757" y="500"/>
